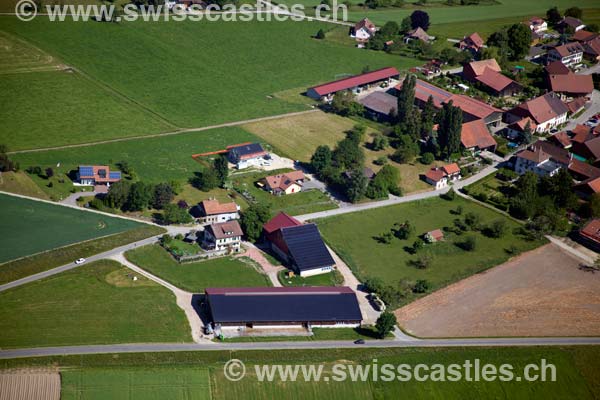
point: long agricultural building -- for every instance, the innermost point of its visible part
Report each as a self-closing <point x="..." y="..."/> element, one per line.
<point x="354" y="83"/>
<point x="283" y="307"/>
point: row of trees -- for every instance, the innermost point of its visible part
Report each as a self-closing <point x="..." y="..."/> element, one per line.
<point x="213" y="175"/>
<point x="342" y="168"/>
<point x="6" y="164"/>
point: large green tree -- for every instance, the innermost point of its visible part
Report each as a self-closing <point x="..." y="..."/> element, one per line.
<point x="117" y="194"/>
<point x="406" y="98"/>
<point x="163" y="195"/>
<point x="221" y="167"/>
<point x="139" y="197"/>
<point x="519" y="40"/>
<point x="253" y="219"/>
<point x="385" y="323"/>
<point x="356" y="186"/>
<point x="321" y="159"/>
<point x="427" y="118"/>
<point x="449" y="129"/>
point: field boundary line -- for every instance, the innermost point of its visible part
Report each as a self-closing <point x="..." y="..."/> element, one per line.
<point x="176" y="132"/>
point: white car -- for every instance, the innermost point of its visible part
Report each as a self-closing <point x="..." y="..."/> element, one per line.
<point x="80" y="261"/>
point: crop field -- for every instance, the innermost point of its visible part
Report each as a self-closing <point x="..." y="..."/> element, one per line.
<point x="26" y="384"/>
<point x="167" y="68"/>
<point x="162" y="383"/>
<point x="30" y="227"/>
<point x="98" y="303"/>
<point x="294" y="204"/>
<point x="196" y="276"/>
<point x="157" y="159"/>
<point x="458" y="14"/>
<point x="355" y="238"/>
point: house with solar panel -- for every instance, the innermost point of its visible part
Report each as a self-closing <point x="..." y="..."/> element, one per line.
<point x="236" y="310"/>
<point x="247" y="155"/>
<point x="97" y="175"/>
<point x="298" y="245"/>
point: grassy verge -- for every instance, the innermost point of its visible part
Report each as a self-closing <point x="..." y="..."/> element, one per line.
<point x="196" y="276"/>
<point x="98" y="303"/>
<point x="367" y="332"/>
<point x="55" y="258"/>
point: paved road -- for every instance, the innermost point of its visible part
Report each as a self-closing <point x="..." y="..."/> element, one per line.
<point x="334" y="344"/>
<point x="398" y="200"/>
<point x="67" y="267"/>
<point x="592" y="109"/>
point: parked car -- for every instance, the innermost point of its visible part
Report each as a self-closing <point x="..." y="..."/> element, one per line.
<point x="80" y="261"/>
<point x="359" y="341"/>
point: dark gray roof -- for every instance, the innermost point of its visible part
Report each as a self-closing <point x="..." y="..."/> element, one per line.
<point x="266" y="305"/>
<point x="245" y="149"/>
<point x="306" y="247"/>
<point x="380" y="102"/>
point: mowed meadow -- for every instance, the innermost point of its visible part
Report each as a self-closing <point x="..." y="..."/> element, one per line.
<point x="186" y="74"/>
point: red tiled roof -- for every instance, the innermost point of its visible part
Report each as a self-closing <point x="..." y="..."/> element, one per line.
<point x="581" y="133"/>
<point x="593" y="47"/>
<point x="436" y="234"/>
<point x="559" y="154"/>
<point x="562" y="138"/>
<point x="592" y="230"/>
<point x="227" y="229"/>
<point x="365" y="23"/>
<point x="584" y="169"/>
<point x="568" y="49"/>
<point x="425" y="89"/>
<point x="535" y="155"/>
<point x="576" y="104"/>
<point x="435" y="174"/>
<point x="593" y="146"/>
<point x="583" y="36"/>
<point x="451" y="168"/>
<point x="472" y="106"/>
<point x="476" y="134"/>
<point x="495" y="80"/>
<point x="557" y="68"/>
<point x="542" y="108"/>
<point x="571" y="83"/>
<point x="475" y="39"/>
<point x="354" y="81"/>
<point x="281" y="220"/>
<point x="479" y="67"/>
<point x="522" y="123"/>
<point x="101" y="174"/>
<point x="213" y="207"/>
<point x="284" y="181"/>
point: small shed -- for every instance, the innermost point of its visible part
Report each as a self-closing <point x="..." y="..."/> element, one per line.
<point x="434" y="236"/>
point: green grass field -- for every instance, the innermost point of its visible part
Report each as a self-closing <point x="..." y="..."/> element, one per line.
<point x="26" y="266"/>
<point x="96" y="303"/>
<point x="165" y="67"/>
<point x="195" y="277"/>
<point x="353" y="237"/>
<point x="136" y="384"/>
<point x="293" y="204"/>
<point x="577" y="373"/>
<point x="460" y="14"/>
<point x="30" y="227"/>
<point x="153" y="159"/>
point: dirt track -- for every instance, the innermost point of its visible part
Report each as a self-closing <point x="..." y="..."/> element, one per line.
<point x="540" y="293"/>
<point x="29" y="384"/>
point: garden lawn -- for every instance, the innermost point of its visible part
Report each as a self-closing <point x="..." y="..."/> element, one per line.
<point x="154" y="160"/>
<point x="193" y="196"/>
<point x="353" y="237"/>
<point x="294" y="204"/>
<point x="333" y="278"/>
<point x="197" y="276"/>
<point x="158" y="383"/>
<point x="92" y="304"/>
<point x="65" y="107"/>
<point x="30" y="227"/>
<point x="166" y="67"/>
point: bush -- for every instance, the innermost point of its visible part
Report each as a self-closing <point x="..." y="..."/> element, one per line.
<point x="469" y="243"/>
<point x="496" y="229"/>
<point x="427" y="158"/>
<point x="381" y="160"/>
<point x="449" y="195"/>
<point x="421" y="286"/>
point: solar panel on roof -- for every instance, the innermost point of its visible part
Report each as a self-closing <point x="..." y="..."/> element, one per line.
<point x="306" y="247"/>
<point x="86" y="171"/>
<point x="114" y="175"/>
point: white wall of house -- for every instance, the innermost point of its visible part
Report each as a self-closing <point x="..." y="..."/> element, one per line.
<point x="211" y="219"/>
<point x="568" y="61"/>
<point x="362" y="34"/>
<point x="523" y="165"/>
<point x="316" y="271"/>
<point x="337" y="325"/>
<point x="250" y="162"/>
<point x="551" y="123"/>
<point x="442" y="183"/>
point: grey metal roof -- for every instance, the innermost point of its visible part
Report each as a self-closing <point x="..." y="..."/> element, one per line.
<point x="306" y="247"/>
<point x="245" y="149"/>
<point x="281" y="306"/>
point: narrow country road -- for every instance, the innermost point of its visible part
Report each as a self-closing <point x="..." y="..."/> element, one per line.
<point x="333" y="344"/>
<point x="398" y="200"/>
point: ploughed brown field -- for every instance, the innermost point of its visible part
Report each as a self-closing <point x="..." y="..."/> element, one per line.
<point x="540" y="293"/>
<point x="27" y="384"/>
